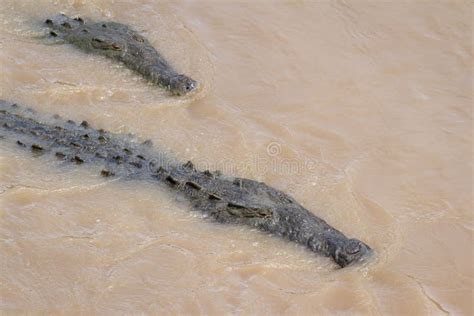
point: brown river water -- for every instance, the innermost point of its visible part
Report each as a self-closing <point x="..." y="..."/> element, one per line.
<point x="361" y="110"/>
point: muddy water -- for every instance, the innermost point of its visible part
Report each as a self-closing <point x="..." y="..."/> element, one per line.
<point x="362" y="111"/>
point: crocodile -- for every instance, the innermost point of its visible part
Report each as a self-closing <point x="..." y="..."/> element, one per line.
<point x="224" y="199"/>
<point x="120" y="42"/>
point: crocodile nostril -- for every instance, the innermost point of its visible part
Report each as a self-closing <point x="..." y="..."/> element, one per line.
<point x="353" y="247"/>
<point x="190" y="86"/>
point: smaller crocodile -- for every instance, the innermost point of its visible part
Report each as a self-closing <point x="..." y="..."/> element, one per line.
<point x="120" y="42"/>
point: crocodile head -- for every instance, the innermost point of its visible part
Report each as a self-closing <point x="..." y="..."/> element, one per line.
<point x="352" y="251"/>
<point x="181" y="85"/>
<point x="61" y="24"/>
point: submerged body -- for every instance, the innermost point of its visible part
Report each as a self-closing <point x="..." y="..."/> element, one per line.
<point x="227" y="200"/>
<point x="120" y="42"/>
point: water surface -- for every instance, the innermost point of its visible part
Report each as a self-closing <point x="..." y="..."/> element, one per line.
<point x="361" y="110"/>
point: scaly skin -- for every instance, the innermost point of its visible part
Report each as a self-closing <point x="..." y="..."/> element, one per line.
<point x="120" y="42"/>
<point x="227" y="200"/>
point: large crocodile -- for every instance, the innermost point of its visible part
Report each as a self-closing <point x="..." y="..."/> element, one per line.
<point x="227" y="200"/>
<point x="119" y="42"/>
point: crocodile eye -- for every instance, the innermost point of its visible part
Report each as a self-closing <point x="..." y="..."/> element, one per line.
<point x="80" y="20"/>
<point x="49" y="22"/>
<point x="53" y="34"/>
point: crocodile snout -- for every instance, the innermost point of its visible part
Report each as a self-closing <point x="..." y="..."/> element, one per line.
<point x="182" y="85"/>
